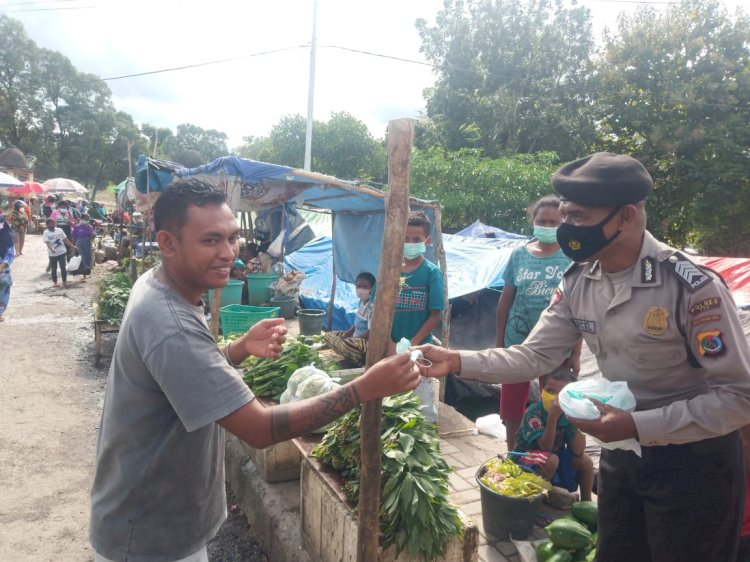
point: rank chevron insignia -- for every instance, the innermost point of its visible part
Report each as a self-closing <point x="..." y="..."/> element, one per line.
<point x="687" y="272"/>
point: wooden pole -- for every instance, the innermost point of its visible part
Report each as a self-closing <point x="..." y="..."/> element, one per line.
<point x="443" y="263"/>
<point x="332" y="300"/>
<point x="400" y="139"/>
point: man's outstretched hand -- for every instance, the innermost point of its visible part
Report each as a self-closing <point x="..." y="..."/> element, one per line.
<point x="265" y="338"/>
<point x="394" y="374"/>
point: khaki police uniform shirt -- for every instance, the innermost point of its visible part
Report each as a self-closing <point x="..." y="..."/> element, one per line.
<point x="637" y="331"/>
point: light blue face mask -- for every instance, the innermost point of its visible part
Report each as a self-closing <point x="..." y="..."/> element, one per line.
<point x="414" y="250"/>
<point x="546" y="234"/>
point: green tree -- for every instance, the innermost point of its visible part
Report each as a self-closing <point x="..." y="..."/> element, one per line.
<point x="675" y="93"/>
<point x="511" y="77"/>
<point x="471" y="187"/>
<point x="158" y="137"/>
<point x="209" y="142"/>
<point x="20" y="106"/>
<point x="341" y="147"/>
<point x="344" y="147"/>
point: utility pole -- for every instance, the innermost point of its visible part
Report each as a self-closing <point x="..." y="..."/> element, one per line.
<point x="311" y="90"/>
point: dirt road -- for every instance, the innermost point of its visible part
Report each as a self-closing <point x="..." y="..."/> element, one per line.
<point x="51" y="397"/>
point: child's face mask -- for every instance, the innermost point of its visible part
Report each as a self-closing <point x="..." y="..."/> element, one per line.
<point x="363" y="294"/>
<point x="414" y="249"/>
<point x="547" y="399"/>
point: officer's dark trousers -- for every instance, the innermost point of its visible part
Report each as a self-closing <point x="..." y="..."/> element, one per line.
<point x="678" y="503"/>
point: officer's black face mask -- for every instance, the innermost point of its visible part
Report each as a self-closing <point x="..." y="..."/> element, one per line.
<point x="579" y="243"/>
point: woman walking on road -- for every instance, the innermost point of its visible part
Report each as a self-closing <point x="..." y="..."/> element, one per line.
<point x="7" y="253"/>
<point x="83" y="234"/>
<point x="19" y="221"/>
<point x="57" y="241"/>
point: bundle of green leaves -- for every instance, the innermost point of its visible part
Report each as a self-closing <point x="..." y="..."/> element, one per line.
<point x="114" y="292"/>
<point x="268" y="377"/>
<point x="414" y="509"/>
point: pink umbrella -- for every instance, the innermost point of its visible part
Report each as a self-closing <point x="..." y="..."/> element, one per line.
<point x="28" y="188"/>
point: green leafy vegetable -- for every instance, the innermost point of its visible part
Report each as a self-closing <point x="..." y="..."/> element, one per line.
<point x="114" y="292"/>
<point x="414" y="509"/>
<point x="505" y="477"/>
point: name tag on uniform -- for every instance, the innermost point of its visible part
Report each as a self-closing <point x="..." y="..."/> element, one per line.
<point x="588" y="326"/>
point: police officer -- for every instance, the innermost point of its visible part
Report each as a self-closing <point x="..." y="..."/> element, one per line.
<point x="670" y="329"/>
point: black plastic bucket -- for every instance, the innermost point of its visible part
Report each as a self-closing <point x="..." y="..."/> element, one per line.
<point x="504" y="516"/>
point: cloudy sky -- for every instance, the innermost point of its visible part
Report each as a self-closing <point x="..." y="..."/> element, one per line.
<point x="267" y="39"/>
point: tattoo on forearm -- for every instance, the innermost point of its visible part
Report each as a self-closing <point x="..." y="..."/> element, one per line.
<point x="291" y="420"/>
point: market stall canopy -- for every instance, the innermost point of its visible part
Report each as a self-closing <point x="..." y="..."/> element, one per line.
<point x="8" y="181"/>
<point x="256" y="186"/>
<point x="63" y="185"/>
<point x="481" y="230"/>
<point x="736" y="274"/>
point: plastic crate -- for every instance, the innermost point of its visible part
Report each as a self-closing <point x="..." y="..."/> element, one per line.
<point x="238" y="318"/>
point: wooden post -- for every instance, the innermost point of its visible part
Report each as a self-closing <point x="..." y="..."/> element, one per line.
<point x="400" y="139"/>
<point x="216" y="313"/>
<point x="443" y="263"/>
<point x="332" y="300"/>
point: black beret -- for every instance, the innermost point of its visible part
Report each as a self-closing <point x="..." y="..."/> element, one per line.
<point x="603" y="180"/>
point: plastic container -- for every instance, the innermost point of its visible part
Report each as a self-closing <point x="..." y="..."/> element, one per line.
<point x="231" y="294"/>
<point x="238" y="319"/>
<point x="257" y="287"/>
<point x="286" y="304"/>
<point x="504" y="516"/>
<point x="310" y="321"/>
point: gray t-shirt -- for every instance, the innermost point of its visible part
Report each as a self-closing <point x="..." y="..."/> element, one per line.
<point x="158" y="493"/>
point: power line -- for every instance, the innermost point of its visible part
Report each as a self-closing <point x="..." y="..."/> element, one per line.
<point x="200" y="64"/>
<point x="14" y="4"/>
<point x="380" y="55"/>
<point x="24" y="10"/>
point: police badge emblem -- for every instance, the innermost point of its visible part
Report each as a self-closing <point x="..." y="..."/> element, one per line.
<point x="656" y="321"/>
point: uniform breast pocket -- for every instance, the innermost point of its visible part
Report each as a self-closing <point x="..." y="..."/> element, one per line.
<point x="592" y="342"/>
<point x="658" y="355"/>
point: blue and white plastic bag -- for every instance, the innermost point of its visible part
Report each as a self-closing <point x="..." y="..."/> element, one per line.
<point x="574" y="401"/>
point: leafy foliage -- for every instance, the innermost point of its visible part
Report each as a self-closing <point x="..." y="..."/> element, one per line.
<point x="674" y="90"/>
<point x="414" y="510"/>
<point x="471" y="187"/>
<point x="114" y="292"/>
<point x="211" y="143"/>
<point x="511" y="77"/>
<point x="62" y="119"/>
<point x="342" y="147"/>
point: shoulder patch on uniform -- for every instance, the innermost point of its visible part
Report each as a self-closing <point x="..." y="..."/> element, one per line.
<point x="572" y="268"/>
<point x="689" y="274"/>
<point x="648" y="273"/>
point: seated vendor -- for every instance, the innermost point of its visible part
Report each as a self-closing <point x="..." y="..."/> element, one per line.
<point x="352" y="343"/>
<point x="552" y="445"/>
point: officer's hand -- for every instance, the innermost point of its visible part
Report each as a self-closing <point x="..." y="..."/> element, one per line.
<point x="444" y="361"/>
<point x="614" y="425"/>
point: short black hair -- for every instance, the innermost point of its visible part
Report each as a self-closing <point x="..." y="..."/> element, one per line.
<point x="170" y="211"/>
<point x="419" y="218"/>
<point x="369" y="276"/>
<point x="546" y="201"/>
<point x="559" y="374"/>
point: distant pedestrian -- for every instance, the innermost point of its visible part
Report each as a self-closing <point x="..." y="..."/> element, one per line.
<point x="83" y="234"/>
<point x="57" y="241"/>
<point x="7" y="253"/>
<point x="19" y="222"/>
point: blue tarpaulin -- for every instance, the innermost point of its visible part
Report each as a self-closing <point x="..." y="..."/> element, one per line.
<point x="473" y="264"/>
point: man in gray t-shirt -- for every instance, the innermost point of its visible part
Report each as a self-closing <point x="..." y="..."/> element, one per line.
<point x="158" y="493"/>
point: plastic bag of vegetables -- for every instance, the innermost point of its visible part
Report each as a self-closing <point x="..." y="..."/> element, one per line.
<point x="300" y="375"/>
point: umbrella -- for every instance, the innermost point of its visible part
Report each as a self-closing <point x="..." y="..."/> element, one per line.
<point x="7" y="181"/>
<point x="63" y="185"/>
<point x="27" y="189"/>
